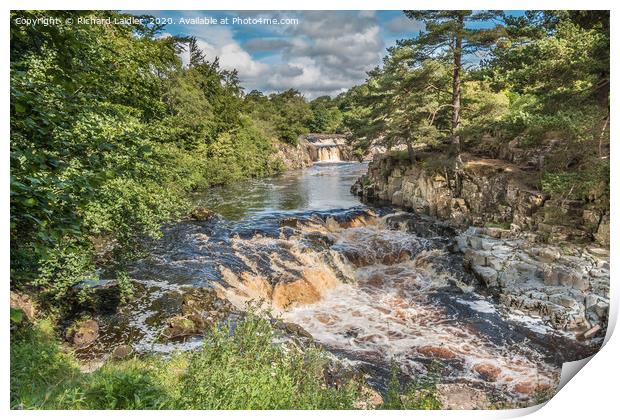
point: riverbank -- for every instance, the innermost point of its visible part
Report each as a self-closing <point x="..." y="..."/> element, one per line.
<point x="379" y="291"/>
<point x="539" y="254"/>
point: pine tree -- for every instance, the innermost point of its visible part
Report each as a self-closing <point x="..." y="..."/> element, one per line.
<point x="447" y="33"/>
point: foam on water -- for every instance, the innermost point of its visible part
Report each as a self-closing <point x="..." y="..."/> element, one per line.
<point x="372" y="289"/>
<point x="380" y="309"/>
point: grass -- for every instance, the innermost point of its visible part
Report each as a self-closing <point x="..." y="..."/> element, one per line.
<point x="499" y="225"/>
<point x="242" y="370"/>
<point x="420" y="394"/>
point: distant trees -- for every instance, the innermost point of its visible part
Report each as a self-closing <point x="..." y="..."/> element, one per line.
<point x="326" y="115"/>
<point x="293" y="116"/>
<point x="287" y="115"/>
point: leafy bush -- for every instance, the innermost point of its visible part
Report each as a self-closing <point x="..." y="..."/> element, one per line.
<point x="244" y="152"/>
<point x="420" y="394"/>
<point x="109" y="133"/>
<point x="587" y="183"/>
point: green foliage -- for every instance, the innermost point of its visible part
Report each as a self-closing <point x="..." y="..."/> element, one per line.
<point x="326" y="116"/>
<point x="567" y="67"/>
<point x="483" y="108"/>
<point x="285" y="115"/>
<point x="238" y="154"/>
<point x="402" y="103"/>
<point x="62" y="267"/>
<point x="420" y="394"/>
<point x="17" y="316"/>
<point x="589" y="182"/>
<point x="544" y="84"/>
<point x="109" y="132"/>
<point x="38" y="366"/>
<point x="245" y="370"/>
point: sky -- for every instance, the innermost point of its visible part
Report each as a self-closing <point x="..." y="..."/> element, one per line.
<point x="316" y="52"/>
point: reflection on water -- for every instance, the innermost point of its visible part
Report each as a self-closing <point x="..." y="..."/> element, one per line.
<point x="323" y="186"/>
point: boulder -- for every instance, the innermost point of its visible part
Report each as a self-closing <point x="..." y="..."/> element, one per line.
<point x="202" y="214"/>
<point x="22" y="302"/>
<point x="104" y="295"/>
<point x="602" y="235"/>
<point x="436" y="352"/>
<point x="122" y="352"/>
<point x="83" y="333"/>
<point x="487" y="371"/>
<point x="461" y="396"/>
<point x="296" y="329"/>
<point x="486" y="274"/>
<point x="179" y="326"/>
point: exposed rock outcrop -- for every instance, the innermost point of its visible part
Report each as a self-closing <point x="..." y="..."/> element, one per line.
<point x="83" y="333"/>
<point x="479" y="191"/>
<point x="312" y="148"/>
<point x="567" y="286"/>
<point x="203" y="214"/>
<point x="293" y="157"/>
<point x="200" y="309"/>
<point x="22" y="302"/>
<point x="327" y="147"/>
<point x="544" y="257"/>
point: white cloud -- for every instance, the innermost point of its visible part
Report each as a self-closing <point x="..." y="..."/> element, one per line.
<point x="404" y="24"/>
<point x="326" y="53"/>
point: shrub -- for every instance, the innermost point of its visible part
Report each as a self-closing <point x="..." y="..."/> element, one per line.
<point x="420" y="394"/>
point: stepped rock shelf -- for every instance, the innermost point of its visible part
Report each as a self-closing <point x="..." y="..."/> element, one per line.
<point x="541" y="257"/>
<point x="313" y="148"/>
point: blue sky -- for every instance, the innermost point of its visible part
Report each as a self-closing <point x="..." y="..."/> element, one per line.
<point x="324" y="53"/>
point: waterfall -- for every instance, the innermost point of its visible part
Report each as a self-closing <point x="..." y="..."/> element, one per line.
<point x="329" y="154"/>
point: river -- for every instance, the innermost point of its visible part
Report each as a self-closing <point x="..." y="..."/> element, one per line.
<point x="366" y="286"/>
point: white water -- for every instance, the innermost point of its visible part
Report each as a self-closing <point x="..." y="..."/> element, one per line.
<point x="382" y="312"/>
<point x="329" y="154"/>
<point x="368" y="293"/>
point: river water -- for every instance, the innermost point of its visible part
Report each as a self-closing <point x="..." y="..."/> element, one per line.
<point x="366" y="285"/>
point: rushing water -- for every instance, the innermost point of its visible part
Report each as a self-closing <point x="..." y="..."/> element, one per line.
<point x="363" y="283"/>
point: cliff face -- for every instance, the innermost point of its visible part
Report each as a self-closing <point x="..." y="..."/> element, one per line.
<point x="480" y="191"/>
<point x="520" y="243"/>
<point x="293" y="157"/>
<point x="312" y="148"/>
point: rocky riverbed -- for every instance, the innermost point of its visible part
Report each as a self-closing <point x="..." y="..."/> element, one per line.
<point x="568" y="286"/>
<point x="489" y="312"/>
<point x="548" y="258"/>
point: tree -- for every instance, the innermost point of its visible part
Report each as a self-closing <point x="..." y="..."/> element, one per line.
<point x="293" y="115"/>
<point x="574" y="43"/>
<point x="446" y="33"/>
<point x="326" y="118"/>
<point x="401" y="103"/>
<point x="109" y="133"/>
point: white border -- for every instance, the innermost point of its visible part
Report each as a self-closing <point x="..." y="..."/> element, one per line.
<point x="592" y="394"/>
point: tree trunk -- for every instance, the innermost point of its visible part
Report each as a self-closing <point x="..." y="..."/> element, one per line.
<point x="410" y="152"/>
<point x="456" y="88"/>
